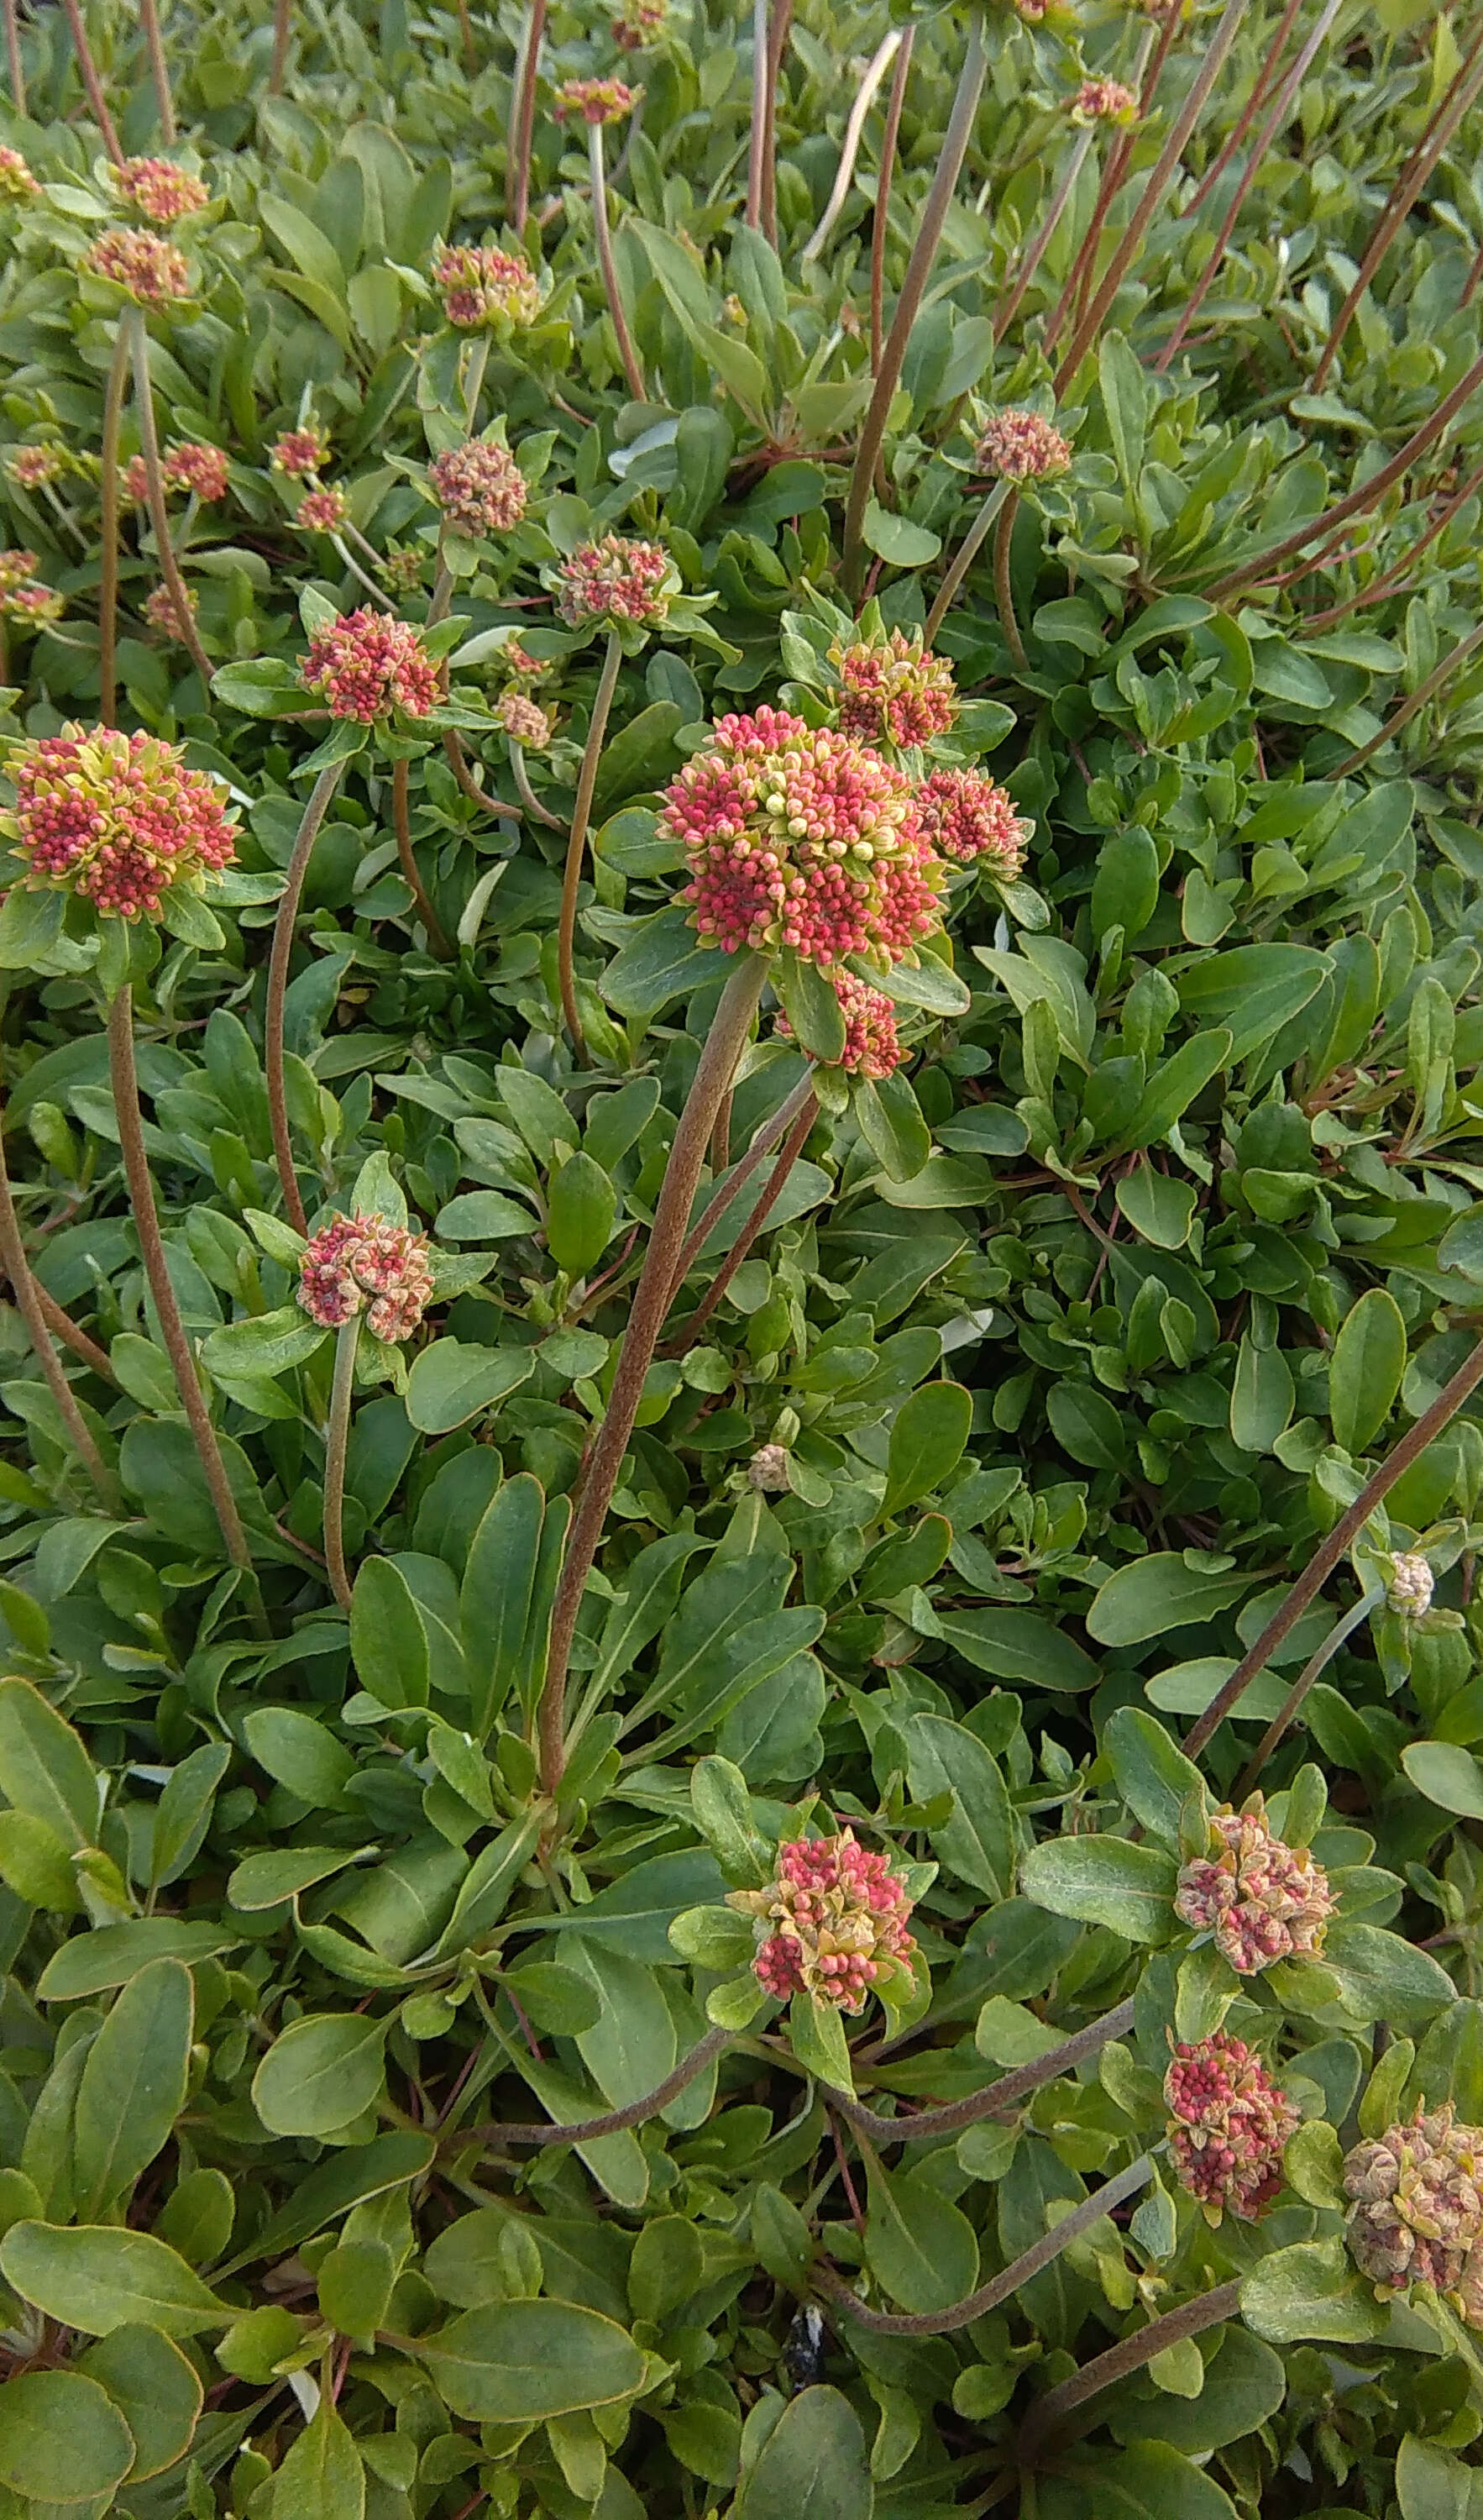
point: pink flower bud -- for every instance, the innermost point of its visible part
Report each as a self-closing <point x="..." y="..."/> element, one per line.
<point x="870" y="1047"/>
<point x="143" y="266"/>
<point x="1022" y="447"/>
<point x="1412" y="1585"/>
<point x="895" y="692"/>
<point x="1262" y="1900"/>
<point x="524" y="720"/>
<point x="595" y="100"/>
<point x="966" y="816"/>
<point x="1228" y="2126"/>
<point x="479" y="488"/>
<point x="16" y="182"/>
<point x="322" y="512"/>
<point x="1417" y="2214"/>
<point x="33" y="467"/>
<point x="200" y="470"/>
<point x="160" y="190"/>
<point x="363" y="1264"/>
<point x="298" y="453"/>
<point x="1104" y="100"/>
<point x="602" y="584"/>
<point x="163" y="613"/>
<point x="832" y="1918"/>
<point x="482" y="287"/>
<point x="366" y="665"/>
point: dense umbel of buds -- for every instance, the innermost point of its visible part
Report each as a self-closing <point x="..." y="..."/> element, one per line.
<point x="1412" y="1584"/>
<point x="1104" y="100"/>
<point x="1263" y="1900"/>
<point x="33" y="467"/>
<point x="641" y="21"/>
<point x="16" y="182"/>
<point x="32" y="604"/>
<point x="483" y="285"/>
<point x="479" y="488"/>
<point x="600" y="100"/>
<point x="144" y="266"/>
<point x="163" y="613"/>
<point x="966" y="816"/>
<point x="322" y="512"/>
<point x="832" y="1915"/>
<point x="1417" y="2215"/>
<point x="298" y="453"/>
<point x="870" y="1046"/>
<point x="612" y="581"/>
<point x="200" y="470"/>
<point x="1019" y="446"/>
<point x="894" y="690"/>
<point x="160" y="190"/>
<point x="362" y="1264"/>
<point x="796" y="836"/>
<point x="1228" y="2126"/>
<point x="366" y="665"/>
<point x="524" y="720"/>
<point x="116" y="818"/>
<point x="767" y="1470"/>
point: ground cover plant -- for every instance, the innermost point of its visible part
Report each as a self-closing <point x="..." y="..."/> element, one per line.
<point x="741" y="1054"/>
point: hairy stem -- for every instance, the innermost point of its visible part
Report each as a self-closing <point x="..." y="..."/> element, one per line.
<point x="722" y="1197"/>
<point x="148" y="441"/>
<point x="996" y="2097"/>
<point x="61" y="1326"/>
<point x="1379" y="587"/>
<point x="457" y="760"/>
<point x="1035" y="249"/>
<point x="164" y="103"/>
<point x="776" y="37"/>
<point x="1328" y="1555"/>
<point x="522" y="118"/>
<point x="278" y="985"/>
<point x="1004" y="591"/>
<point x="791" y="1149"/>
<point x="283" y="20"/>
<point x="12" y="56"/>
<point x="613" y="2121"/>
<point x="1408" y="708"/>
<point x="939" y="202"/>
<point x="108" y="549"/>
<point x="1260" y="91"/>
<point x="880" y="215"/>
<point x="27" y="1294"/>
<point x="538" y="812"/>
<point x="1047" y="2417"/>
<point x="336" y="1444"/>
<point x="865" y="96"/>
<point x="576" y="842"/>
<point x="1314" y="1669"/>
<point x="602" y="237"/>
<point x="401" y="823"/>
<point x="91" y="80"/>
<point x="969" y="550"/>
<point x="724" y="1044"/>
<point x="755" y="150"/>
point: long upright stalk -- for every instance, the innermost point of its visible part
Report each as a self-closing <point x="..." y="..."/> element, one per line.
<point x="587" y="780"/>
<point x="1408" y="708"/>
<point x="1313" y="1669"/>
<point x="27" y="1294"/>
<point x="136" y="1167"/>
<point x="91" y="80"/>
<point x="968" y="552"/>
<point x="1047" y="2417"/>
<point x="602" y="237"/>
<point x="880" y="215"/>
<point x="278" y="984"/>
<point x="754" y="147"/>
<point x="159" y="517"/>
<point x="164" y="103"/>
<point x="337" y="1446"/>
<point x="776" y="37"/>
<point x="724" y="1044"/>
<point x="1003" y="590"/>
<point x="283" y="21"/>
<point x="402" y="824"/>
<point x="1153" y="52"/>
<point x="1034" y="253"/>
<point x="13" y="61"/>
<point x="865" y="96"/>
<point x="726" y="1192"/>
<point x="928" y="235"/>
<point x="522" y="118"/>
<point x="107" y="552"/>
<point x="1261" y="89"/>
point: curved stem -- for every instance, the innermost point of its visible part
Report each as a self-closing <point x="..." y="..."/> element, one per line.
<point x="972" y="545"/>
<point x="107" y="551"/>
<point x="12" y="56"/>
<point x="282" y="19"/>
<point x="401" y="822"/>
<point x="996" y="2097"/>
<point x="1046" y="2418"/>
<point x="1382" y="586"/>
<point x="776" y="37"/>
<point x="793" y="1148"/>
<point x="1326" y="1556"/>
<point x="881" y="216"/>
<point x="136" y="1167"/>
<point x="1035" y="249"/>
<point x="538" y="812"/>
<point x="755" y="150"/>
<point x="454" y="755"/>
<point x="164" y="108"/>
<point x="1312" y="1670"/>
<point x="1004" y="591"/>
<point x="337" y="1443"/>
<point x="587" y="780"/>
<point x="1260" y="91"/>
<point x="612" y="2121"/>
<point x="91" y="80"/>
<point x="602" y="239"/>
<point x="27" y="1294"/>
<point x="278" y="984"/>
<point x="939" y="202"/>
<point x="522" y="118"/>
<point x="741" y="1174"/>
<point x="159" y="517"/>
<point x="349" y="561"/>
<point x="1403" y="715"/>
<point x="1041" y="2253"/>
<point x="874" y="71"/>
<point x="724" y="1044"/>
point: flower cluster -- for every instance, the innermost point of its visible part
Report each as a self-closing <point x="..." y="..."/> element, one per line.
<point x="1103" y="100"/>
<point x="524" y="720"/>
<point x="202" y="470"/>
<point x="1228" y="2126"/>
<point x="401" y="565"/>
<point x="895" y="691"/>
<point x="33" y="467"/>
<point x="163" y="613"/>
<point x="298" y="453"/>
<point x="21" y="597"/>
<point x="767" y="1470"/>
<point x="639" y="22"/>
<point x="1263" y="1900"/>
<point x="363" y="1264"/>
<point x="796" y="836"/>
<point x="602" y="584"/>
<point x="365" y="665"/>
<point x="1019" y="446"/>
<point x="15" y="566"/>
<point x="323" y="512"/>
<point x="483" y="286"/>
<point x="833" y="1917"/>
<point x="144" y="266"/>
<point x="1417" y="2215"/>
<point x="1412" y="1585"/>
<point x="16" y="182"/>
<point x="160" y="190"/>
<point x="870" y="1046"/>
<point x="597" y="100"/>
<point x="479" y="488"/>
<point x="115" y="818"/>
<point x="966" y="816"/>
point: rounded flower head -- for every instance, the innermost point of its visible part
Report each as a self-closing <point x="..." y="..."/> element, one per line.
<point x="401" y="566"/>
<point x="1228" y="2126"/>
<point x="134" y="480"/>
<point x="639" y="22"/>
<point x="15" y="566"/>
<point x="1412" y="1584"/>
<point x="144" y="266"/>
<point x="600" y="100"/>
<point x="1019" y="446"/>
<point x="298" y="453"/>
<point x="1417" y="2215"/>
<point x="200" y="470"/>
<point x="16" y="182"/>
<point x="362" y="1264"/>
<point x="767" y="1470"/>
<point x="1263" y="1900"/>
<point x="31" y="605"/>
<point x="832" y="1918"/>
<point x="483" y="286"/>
<point x="115" y="817"/>
<point x="894" y="690"/>
<point x="163" y="613"/>
<point x="160" y="190"/>
<point x="966" y="816"/>
<point x="1104" y="100"/>
<point x="797" y="836"/>
<point x="365" y="665"/>
<point x="870" y="1047"/>
<point x="479" y="488"/>
<point x="611" y="581"/>
<point x="322" y="512"/>
<point x="33" y="467"/>
<point x="519" y="662"/>
<point x="524" y="720"/>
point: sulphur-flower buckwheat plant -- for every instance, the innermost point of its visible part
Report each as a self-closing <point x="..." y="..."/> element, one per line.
<point x="595" y="101"/>
<point x="832" y="1921"/>
<point x="146" y="268"/>
<point x="159" y="190"/>
<point x="1229" y="2124"/>
<point x="363" y="1265"/>
<point x="967" y="817"/>
<point x="298" y="453"/>
<point x="1104" y="100"/>
<point x="615" y="581"/>
<point x="1412" y="1585"/>
<point x="117" y="819"/>
<point x="483" y="286"/>
<point x="1022" y="447"/>
<point x="524" y="720"/>
<point x="322" y="512"/>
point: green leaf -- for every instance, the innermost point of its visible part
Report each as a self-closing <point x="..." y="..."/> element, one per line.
<point x="154" y="2389"/>
<point x="522" y="2361"/>
<point x="497" y="1600"/>
<point x="265" y="1345"/>
<point x="1173" y="1087"/>
<point x="1312" y="2290"/>
<point x="1150" y="1770"/>
<point x="1433" y="2484"/>
<point x="453" y="1381"/>
<point x="335" y="2186"/>
<point x="977" y="1843"/>
<point x="490" y="1882"/>
<point x="62" y="2438"/>
<point x="1104" y="1881"/>
<point x="133" y="2086"/>
<point x="1149" y="1596"/>
<point x="44" y="1769"/>
<point x="812" y="2464"/>
<point x="1157" y="1205"/>
<point x="812" y="1006"/>
<point x="322" y="2473"/>
<point x="388" y="1641"/>
<point x="1449" y="1776"/>
<point x="1254" y="989"/>
<point x="302" y="1754"/>
<point x="580" y="1206"/>
<point x="94" y="1963"/>
<point x="320" y="2073"/>
<point x="1383" y="1977"/>
<point x="889" y="1119"/>
<point x="897" y="540"/>
<point x="662" y="960"/>
<point x="1366" y="1367"/>
<point x="921" y="2249"/>
<point x="927" y="1439"/>
<point x="816" y="2035"/>
<point x="98" y="2278"/>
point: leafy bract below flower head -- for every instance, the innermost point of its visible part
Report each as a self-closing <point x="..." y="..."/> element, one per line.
<point x="479" y="488"/>
<point x="482" y="287"/>
<point x="1228" y="2126"/>
<point x="796" y="836"/>
<point x="148" y="269"/>
<point x="16" y="182"/>
<point x="524" y="720"/>
<point x="617" y="581"/>
<point x="1103" y="100"/>
<point x="1262" y="1900"/>
<point x="115" y="817"/>
<point x="966" y="816"/>
<point x="1020" y="447"/>
<point x="1417" y="2215"/>
<point x="363" y="1264"/>
<point x="894" y="690"/>
<point x="599" y="100"/>
<point x="160" y="190"/>
<point x="870" y="1046"/>
<point x="366" y="665"/>
<point x="832" y="1919"/>
<point x="1412" y="1585"/>
<point x="298" y="453"/>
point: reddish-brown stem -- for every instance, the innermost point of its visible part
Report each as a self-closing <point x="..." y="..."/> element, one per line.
<point x="1261" y="90"/>
<point x="776" y="37"/>
<point x="159" y="517"/>
<point x="336" y="1445"/>
<point x="880" y="215"/>
<point x="1035" y="250"/>
<point x="91" y="80"/>
<point x="767" y="1198"/>
<point x="1315" y="1667"/>
<point x="453" y="754"/>
<point x="401" y="823"/>
<point x="282" y="19"/>
<point x="172" y="1330"/>
<point x="996" y="2097"/>
<point x="1155" y="53"/>
<point x="1328" y="1555"/>
<point x="12" y="56"/>
<point x="278" y="985"/>
<point x="723" y="1196"/>
<point x="854" y="131"/>
<point x="1004" y="591"/>
<point x="603" y="237"/>
<point x="165" y="106"/>
<point x="612" y="2121"/>
<point x="576" y="843"/>
<point x="465" y="31"/>
<point x="28" y="1296"/>
<point x="108" y="531"/>
<point x="1382" y="586"/>
<point x="722" y="1046"/>
<point x="1047" y="2417"/>
<point x="1408" y="709"/>
<point x="720" y="1136"/>
<point x="756" y="149"/>
<point x="538" y="812"/>
<point x="1474" y="275"/>
<point x="522" y="118"/>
